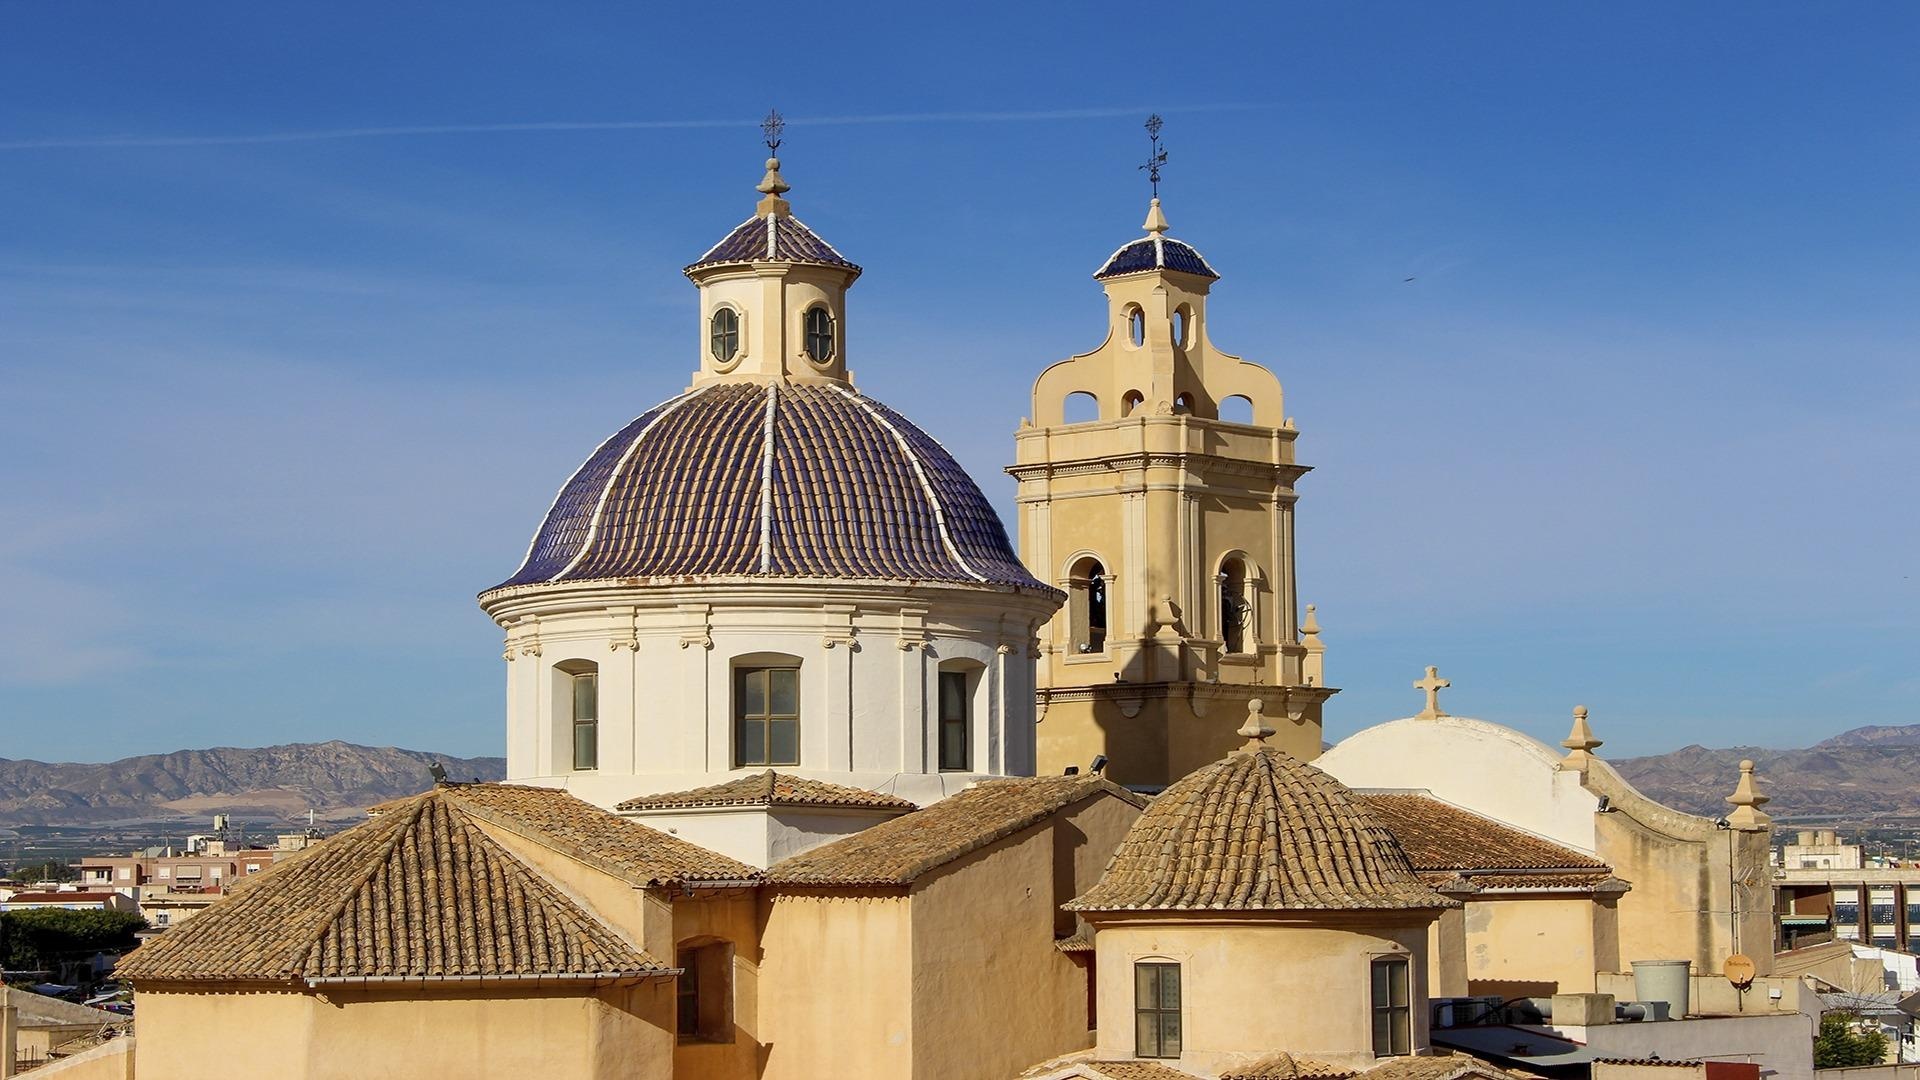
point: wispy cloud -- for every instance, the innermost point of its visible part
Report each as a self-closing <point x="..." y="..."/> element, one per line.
<point x="331" y="134"/>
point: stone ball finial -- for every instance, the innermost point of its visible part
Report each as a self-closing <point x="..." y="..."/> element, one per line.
<point x="1256" y="730"/>
<point x="773" y="183"/>
<point x="1747" y="801"/>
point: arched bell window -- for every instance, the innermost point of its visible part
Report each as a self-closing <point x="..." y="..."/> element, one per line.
<point x="1087" y="600"/>
<point x="1236" y="604"/>
<point x="819" y="337"/>
<point x="723" y="335"/>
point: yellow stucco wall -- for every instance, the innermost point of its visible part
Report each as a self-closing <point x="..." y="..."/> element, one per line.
<point x="983" y="953"/>
<point x="1248" y="987"/>
<point x="1537" y="946"/>
<point x="729" y="916"/>
<point x="361" y="1034"/>
<point x="1166" y="737"/>
<point x="835" y="982"/>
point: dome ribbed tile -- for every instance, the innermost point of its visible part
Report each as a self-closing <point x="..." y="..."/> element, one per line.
<point x="857" y="492"/>
<point x="775" y="238"/>
<point x="1258" y="831"/>
<point x="1155" y="253"/>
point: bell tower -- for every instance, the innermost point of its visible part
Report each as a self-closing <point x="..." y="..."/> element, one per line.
<point x="1170" y="528"/>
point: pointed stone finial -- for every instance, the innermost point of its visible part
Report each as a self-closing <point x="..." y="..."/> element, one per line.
<point x="1256" y="729"/>
<point x="1580" y="742"/>
<point x="1747" y="801"/>
<point x="1156" y="218"/>
<point x="1313" y="666"/>
<point x="773" y="185"/>
<point x="1432" y="684"/>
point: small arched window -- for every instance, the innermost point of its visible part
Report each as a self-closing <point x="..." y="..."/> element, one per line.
<point x="723" y="335"/>
<point x="958" y="681"/>
<point x="1180" y="326"/>
<point x="819" y="335"/>
<point x="704" y="991"/>
<point x="1183" y="405"/>
<point x="1237" y="409"/>
<point x="1087" y="597"/>
<point x="1236" y="609"/>
<point x="766" y="716"/>
<point x="1131" y="402"/>
<point x="1136" y="326"/>
<point x="579" y="696"/>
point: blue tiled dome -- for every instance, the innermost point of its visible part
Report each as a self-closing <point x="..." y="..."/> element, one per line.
<point x="753" y="480"/>
<point x="1155" y="253"/>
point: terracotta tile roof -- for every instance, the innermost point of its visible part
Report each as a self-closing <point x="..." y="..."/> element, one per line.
<point x="898" y="851"/>
<point x="1441" y="836"/>
<point x="1434" y="1067"/>
<point x="772" y="238"/>
<point x="1080" y="942"/>
<point x="635" y="853"/>
<point x="418" y="892"/>
<point x="1287" y="1067"/>
<point x="1080" y="1065"/>
<point x="1488" y="881"/>
<point x="90" y="897"/>
<point x="1258" y="831"/>
<point x="770" y="788"/>
<point x="851" y="490"/>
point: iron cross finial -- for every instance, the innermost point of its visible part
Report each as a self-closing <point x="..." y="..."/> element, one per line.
<point x="1158" y="156"/>
<point x="772" y="126"/>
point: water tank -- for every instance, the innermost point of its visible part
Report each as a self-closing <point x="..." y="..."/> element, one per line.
<point x="1663" y="980"/>
<point x="1804" y="838"/>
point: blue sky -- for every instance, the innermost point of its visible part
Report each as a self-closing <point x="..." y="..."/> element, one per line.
<point x="1639" y="435"/>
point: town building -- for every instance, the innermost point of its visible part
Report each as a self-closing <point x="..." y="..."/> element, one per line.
<point x="1825" y="887"/>
<point x="168" y="886"/>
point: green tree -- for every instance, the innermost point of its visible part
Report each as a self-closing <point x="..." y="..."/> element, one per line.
<point x="51" y="870"/>
<point x="1842" y="1042"/>
<point x="38" y="939"/>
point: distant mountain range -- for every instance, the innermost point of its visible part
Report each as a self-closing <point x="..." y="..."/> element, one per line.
<point x="1861" y="777"/>
<point x="264" y="786"/>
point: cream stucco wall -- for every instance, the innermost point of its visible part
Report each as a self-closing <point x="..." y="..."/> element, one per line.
<point x="1251" y="986"/>
<point x="447" y="1030"/>
<point x="868" y="654"/>
<point x="731" y="917"/>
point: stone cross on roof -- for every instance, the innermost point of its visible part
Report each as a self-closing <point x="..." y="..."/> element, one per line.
<point x="1432" y="684"/>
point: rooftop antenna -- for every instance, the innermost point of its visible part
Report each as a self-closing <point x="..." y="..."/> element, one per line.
<point x="1158" y="156"/>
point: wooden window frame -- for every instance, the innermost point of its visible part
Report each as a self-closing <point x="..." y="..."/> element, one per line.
<point x="1394" y="1008"/>
<point x="1158" y="1010"/>
<point x="955" y="733"/>
<point x="766" y="718"/>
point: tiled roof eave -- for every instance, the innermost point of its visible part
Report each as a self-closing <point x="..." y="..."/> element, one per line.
<point x="1353" y="905"/>
<point x="656" y="971"/>
<point x="546" y="588"/>
<point x="852" y="270"/>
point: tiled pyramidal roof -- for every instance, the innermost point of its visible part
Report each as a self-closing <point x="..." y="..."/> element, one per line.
<point x="1258" y="831"/>
<point x="1155" y="253"/>
<point x="771" y="788"/>
<point x="774" y="480"/>
<point x="422" y="892"/>
<point x="773" y="238"/>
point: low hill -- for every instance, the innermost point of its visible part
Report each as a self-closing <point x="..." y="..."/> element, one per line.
<point x="264" y="784"/>
<point x="1859" y="777"/>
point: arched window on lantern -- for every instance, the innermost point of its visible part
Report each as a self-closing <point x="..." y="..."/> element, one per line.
<point x="1235" y="605"/>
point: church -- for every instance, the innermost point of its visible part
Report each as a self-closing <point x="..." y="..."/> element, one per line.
<point x="811" y="774"/>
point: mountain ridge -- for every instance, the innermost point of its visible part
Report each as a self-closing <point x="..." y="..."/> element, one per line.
<point x="1862" y="777"/>
<point x="335" y="779"/>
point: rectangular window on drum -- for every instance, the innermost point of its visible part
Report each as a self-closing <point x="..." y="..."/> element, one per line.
<point x="586" y="720"/>
<point x="954" y="721"/>
<point x="1392" y="1008"/>
<point x="766" y="716"/>
<point x="1156" y="1010"/>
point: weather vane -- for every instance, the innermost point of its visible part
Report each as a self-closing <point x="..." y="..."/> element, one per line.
<point x="773" y="125"/>
<point x="1159" y="155"/>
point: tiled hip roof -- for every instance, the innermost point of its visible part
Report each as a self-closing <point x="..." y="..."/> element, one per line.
<point x="771" y="788"/>
<point x="743" y="480"/>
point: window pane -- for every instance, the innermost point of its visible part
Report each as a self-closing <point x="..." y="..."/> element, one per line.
<point x="1146" y="1034"/>
<point x="586" y="697"/>
<point x="953" y="746"/>
<point x="1382" y="1033"/>
<point x="1398" y="974"/>
<point x="1169" y="1034"/>
<point x="1402" y="1037"/>
<point x="786" y="692"/>
<point x="753" y="693"/>
<point x="586" y="746"/>
<point x="953" y="695"/>
<point x="1146" y="985"/>
<point x="1380" y="989"/>
<point x="752" y="743"/>
<point x="785" y="748"/>
<point x="1170" y="986"/>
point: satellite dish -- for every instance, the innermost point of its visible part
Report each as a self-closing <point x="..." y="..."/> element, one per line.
<point x="1739" y="970"/>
